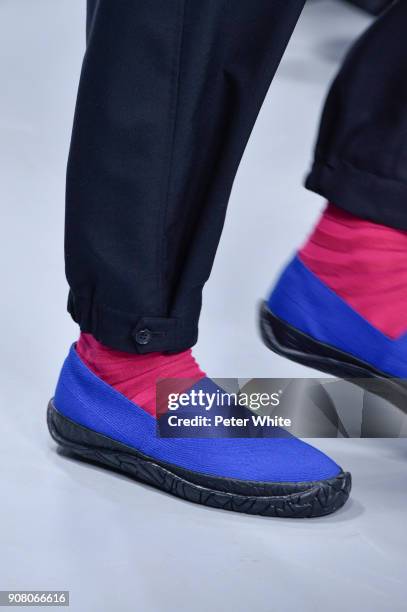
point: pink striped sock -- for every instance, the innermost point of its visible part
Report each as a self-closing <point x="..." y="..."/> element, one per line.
<point x="135" y="376"/>
<point x="365" y="264"/>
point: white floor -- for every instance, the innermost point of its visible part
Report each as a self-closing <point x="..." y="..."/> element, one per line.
<point x="115" y="544"/>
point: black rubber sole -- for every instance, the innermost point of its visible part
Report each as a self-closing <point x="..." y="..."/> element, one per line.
<point x="284" y="339"/>
<point x="289" y="500"/>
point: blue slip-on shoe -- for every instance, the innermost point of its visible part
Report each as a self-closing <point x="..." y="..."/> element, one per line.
<point x="271" y="476"/>
<point x="307" y="322"/>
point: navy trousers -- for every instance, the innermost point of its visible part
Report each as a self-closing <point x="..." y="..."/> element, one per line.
<point x="169" y="93"/>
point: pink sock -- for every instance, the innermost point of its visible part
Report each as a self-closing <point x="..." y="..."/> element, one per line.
<point x="365" y="264"/>
<point x="135" y="376"/>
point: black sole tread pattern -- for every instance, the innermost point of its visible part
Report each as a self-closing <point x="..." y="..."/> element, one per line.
<point x="318" y="499"/>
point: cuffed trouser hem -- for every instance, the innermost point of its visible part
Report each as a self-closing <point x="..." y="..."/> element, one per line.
<point x="133" y="333"/>
<point x="361" y="193"/>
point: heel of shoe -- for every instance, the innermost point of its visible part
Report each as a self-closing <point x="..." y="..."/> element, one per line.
<point x="80" y="441"/>
<point x="283" y="339"/>
<point x="65" y="432"/>
<point x="287" y="341"/>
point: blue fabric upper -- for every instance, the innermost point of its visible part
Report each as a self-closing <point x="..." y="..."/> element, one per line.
<point x="89" y="401"/>
<point x="303" y="300"/>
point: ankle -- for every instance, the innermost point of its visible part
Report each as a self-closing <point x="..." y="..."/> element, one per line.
<point x="135" y="376"/>
<point x="364" y="263"/>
